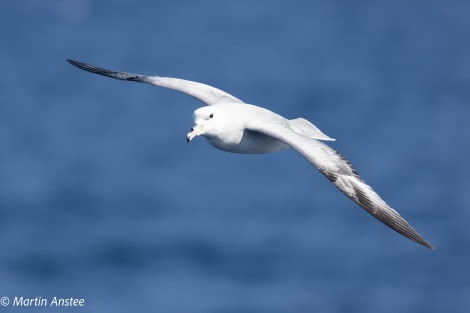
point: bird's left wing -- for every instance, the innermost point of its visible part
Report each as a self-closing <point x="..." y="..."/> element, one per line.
<point x="341" y="173"/>
<point x="204" y="93"/>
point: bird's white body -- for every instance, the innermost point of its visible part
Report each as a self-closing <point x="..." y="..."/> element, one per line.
<point x="229" y="129"/>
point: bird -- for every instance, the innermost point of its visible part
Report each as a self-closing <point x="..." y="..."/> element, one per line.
<point x="231" y="125"/>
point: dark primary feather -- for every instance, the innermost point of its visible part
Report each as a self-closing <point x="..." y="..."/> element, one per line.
<point x="109" y="73"/>
<point x="367" y="198"/>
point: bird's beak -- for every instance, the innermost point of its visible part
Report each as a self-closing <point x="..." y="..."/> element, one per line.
<point x="195" y="131"/>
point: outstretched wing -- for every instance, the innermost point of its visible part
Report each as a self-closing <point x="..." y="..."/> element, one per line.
<point x="205" y="93"/>
<point x="342" y="174"/>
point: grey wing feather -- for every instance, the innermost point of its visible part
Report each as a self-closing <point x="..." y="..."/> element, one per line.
<point x="204" y="93"/>
<point x="343" y="175"/>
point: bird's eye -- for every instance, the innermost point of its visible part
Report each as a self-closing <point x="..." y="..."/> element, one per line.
<point x="211" y="116"/>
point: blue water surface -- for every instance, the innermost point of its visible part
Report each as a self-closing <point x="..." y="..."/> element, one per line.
<point x="102" y="199"/>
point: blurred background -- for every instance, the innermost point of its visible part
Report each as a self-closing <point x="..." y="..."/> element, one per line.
<point x="101" y="198"/>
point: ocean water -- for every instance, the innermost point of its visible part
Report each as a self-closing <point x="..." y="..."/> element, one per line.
<point x="102" y="199"/>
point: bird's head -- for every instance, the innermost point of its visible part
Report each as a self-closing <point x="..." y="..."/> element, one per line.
<point x="204" y="119"/>
<point x="219" y="124"/>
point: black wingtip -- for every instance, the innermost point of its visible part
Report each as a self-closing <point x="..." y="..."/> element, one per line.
<point x="428" y="245"/>
<point x="81" y="65"/>
<point x="424" y="243"/>
<point x="109" y="73"/>
<point x="406" y="230"/>
<point x="74" y="63"/>
<point x="412" y="234"/>
<point x="396" y="222"/>
<point x="88" y="67"/>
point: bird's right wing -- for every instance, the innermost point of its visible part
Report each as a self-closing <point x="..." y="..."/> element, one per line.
<point x="204" y="93"/>
<point x="342" y="174"/>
